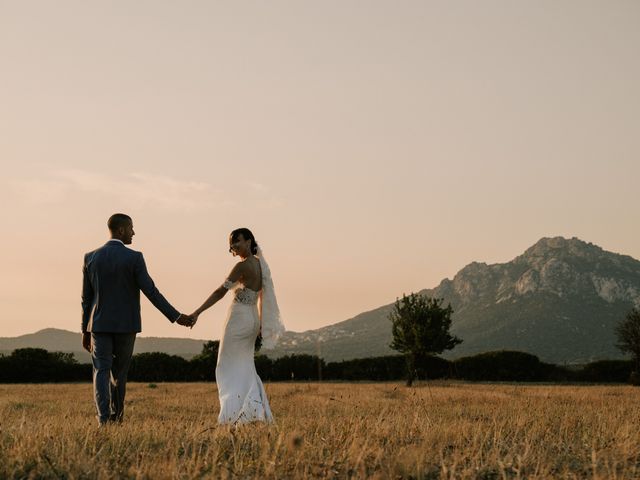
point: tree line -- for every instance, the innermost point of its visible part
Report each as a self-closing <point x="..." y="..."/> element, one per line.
<point x="35" y="365"/>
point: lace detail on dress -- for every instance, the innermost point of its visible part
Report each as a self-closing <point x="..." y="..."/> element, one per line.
<point x="246" y="296"/>
<point x="242" y="295"/>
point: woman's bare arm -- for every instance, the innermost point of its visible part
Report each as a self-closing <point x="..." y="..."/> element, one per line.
<point x="235" y="275"/>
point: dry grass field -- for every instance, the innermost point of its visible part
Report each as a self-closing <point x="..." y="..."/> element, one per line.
<point x="342" y="430"/>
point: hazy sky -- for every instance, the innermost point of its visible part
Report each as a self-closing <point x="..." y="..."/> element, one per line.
<point x="374" y="148"/>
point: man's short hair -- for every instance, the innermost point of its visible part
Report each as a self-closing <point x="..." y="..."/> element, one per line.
<point x="118" y="220"/>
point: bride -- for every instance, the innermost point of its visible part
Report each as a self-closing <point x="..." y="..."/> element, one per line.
<point x="254" y="311"/>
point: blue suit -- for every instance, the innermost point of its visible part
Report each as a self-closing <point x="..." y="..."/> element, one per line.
<point x="113" y="276"/>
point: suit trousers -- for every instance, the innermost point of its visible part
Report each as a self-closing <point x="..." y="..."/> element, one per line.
<point x="111" y="357"/>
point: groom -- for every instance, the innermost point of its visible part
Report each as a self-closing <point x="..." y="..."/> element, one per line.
<point x="113" y="276"/>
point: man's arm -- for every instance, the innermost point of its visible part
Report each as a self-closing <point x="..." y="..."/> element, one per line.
<point x="87" y="305"/>
<point x="87" y="296"/>
<point x="145" y="283"/>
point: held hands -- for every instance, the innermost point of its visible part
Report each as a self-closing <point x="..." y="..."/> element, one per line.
<point x="187" y="320"/>
<point x="184" y="320"/>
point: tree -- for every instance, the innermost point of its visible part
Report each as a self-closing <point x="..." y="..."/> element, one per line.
<point x="210" y="348"/>
<point x="39" y="365"/>
<point x="203" y="365"/>
<point x="296" y="367"/>
<point x="628" y="333"/>
<point x="503" y="365"/>
<point x="157" y="367"/>
<point x="420" y="327"/>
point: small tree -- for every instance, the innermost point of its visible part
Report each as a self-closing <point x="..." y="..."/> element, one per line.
<point x="203" y="365"/>
<point x="420" y="327"/>
<point x="210" y="349"/>
<point x="628" y="333"/>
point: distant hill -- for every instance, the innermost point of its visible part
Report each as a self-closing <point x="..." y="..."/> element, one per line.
<point x="559" y="300"/>
<point x="54" y="339"/>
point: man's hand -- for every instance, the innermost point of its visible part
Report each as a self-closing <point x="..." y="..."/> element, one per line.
<point x="86" y="341"/>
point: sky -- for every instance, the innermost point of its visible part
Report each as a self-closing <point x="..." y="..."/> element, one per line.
<point x="373" y="148"/>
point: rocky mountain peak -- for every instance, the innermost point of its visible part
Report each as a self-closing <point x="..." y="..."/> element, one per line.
<point x="560" y="246"/>
<point x="556" y="266"/>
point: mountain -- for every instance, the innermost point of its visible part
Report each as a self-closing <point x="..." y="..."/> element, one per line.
<point x="559" y="300"/>
<point x="56" y="340"/>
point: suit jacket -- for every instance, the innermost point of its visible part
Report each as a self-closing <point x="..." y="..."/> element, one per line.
<point x="113" y="276"/>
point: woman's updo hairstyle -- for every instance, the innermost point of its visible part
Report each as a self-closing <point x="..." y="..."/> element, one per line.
<point x="247" y="235"/>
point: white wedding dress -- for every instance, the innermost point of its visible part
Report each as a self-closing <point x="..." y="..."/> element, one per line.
<point x="241" y="392"/>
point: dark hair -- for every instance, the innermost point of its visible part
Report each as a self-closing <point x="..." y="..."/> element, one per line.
<point x="247" y="235"/>
<point x="118" y="220"/>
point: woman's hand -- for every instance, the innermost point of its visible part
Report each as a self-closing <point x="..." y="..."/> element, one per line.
<point x="194" y="318"/>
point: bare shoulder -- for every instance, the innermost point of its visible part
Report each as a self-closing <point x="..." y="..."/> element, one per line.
<point x="240" y="267"/>
<point x="237" y="272"/>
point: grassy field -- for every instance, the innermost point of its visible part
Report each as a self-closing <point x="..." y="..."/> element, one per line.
<point x="439" y="430"/>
